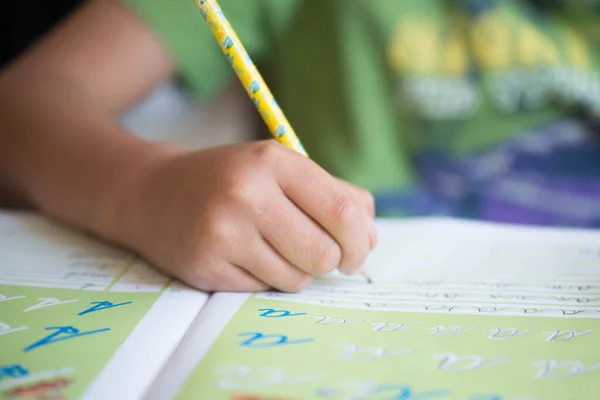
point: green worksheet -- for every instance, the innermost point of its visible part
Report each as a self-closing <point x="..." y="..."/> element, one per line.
<point x="46" y="330"/>
<point x="68" y="305"/>
<point x="494" y="313"/>
<point x="456" y="310"/>
<point x="285" y="350"/>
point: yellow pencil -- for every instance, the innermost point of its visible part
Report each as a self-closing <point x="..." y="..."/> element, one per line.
<point x="251" y="79"/>
<point x="248" y="74"/>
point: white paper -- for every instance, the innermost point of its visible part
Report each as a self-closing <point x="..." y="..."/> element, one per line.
<point x="205" y="330"/>
<point x="38" y="252"/>
<point x="144" y="353"/>
<point x="449" y="266"/>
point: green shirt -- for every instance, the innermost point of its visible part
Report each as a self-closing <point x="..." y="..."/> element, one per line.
<point x="367" y="83"/>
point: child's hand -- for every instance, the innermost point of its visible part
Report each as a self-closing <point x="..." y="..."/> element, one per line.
<point x="250" y="217"/>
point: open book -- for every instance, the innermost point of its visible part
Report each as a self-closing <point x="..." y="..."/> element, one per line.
<point x="457" y="310"/>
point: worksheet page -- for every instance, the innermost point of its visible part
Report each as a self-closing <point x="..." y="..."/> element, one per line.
<point x="80" y="318"/>
<point x="456" y="310"/>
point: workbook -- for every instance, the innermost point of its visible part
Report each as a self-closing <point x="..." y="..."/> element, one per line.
<point x="456" y="310"/>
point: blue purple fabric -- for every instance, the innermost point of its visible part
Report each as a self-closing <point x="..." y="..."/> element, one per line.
<point x="549" y="176"/>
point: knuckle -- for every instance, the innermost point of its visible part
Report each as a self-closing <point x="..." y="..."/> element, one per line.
<point x="219" y="233"/>
<point x="266" y="152"/>
<point x="345" y="210"/>
<point x="239" y="188"/>
<point x="327" y="258"/>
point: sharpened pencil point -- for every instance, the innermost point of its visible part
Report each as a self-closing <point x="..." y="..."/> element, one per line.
<point x="367" y="277"/>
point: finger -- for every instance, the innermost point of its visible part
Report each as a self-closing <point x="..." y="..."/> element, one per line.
<point x="223" y="277"/>
<point x="364" y="196"/>
<point x="369" y="203"/>
<point x="331" y="204"/>
<point x="301" y="241"/>
<point x="266" y="264"/>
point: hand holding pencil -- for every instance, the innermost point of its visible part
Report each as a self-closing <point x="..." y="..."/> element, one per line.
<point x="247" y="217"/>
<point x="250" y="78"/>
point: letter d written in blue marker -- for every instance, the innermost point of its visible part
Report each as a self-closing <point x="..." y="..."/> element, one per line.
<point x="273" y="313"/>
<point x="259" y="340"/>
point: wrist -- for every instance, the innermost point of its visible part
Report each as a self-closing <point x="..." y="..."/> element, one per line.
<point x="129" y="217"/>
<point x="95" y="186"/>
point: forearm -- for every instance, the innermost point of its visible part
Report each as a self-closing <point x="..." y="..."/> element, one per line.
<point x="65" y="157"/>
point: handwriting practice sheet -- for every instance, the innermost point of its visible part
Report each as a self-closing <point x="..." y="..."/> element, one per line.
<point x="457" y="310"/>
<point x="77" y="316"/>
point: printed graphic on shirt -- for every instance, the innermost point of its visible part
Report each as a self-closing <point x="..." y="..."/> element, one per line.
<point x="526" y="58"/>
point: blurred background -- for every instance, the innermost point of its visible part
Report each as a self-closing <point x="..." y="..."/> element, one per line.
<point x="167" y="109"/>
